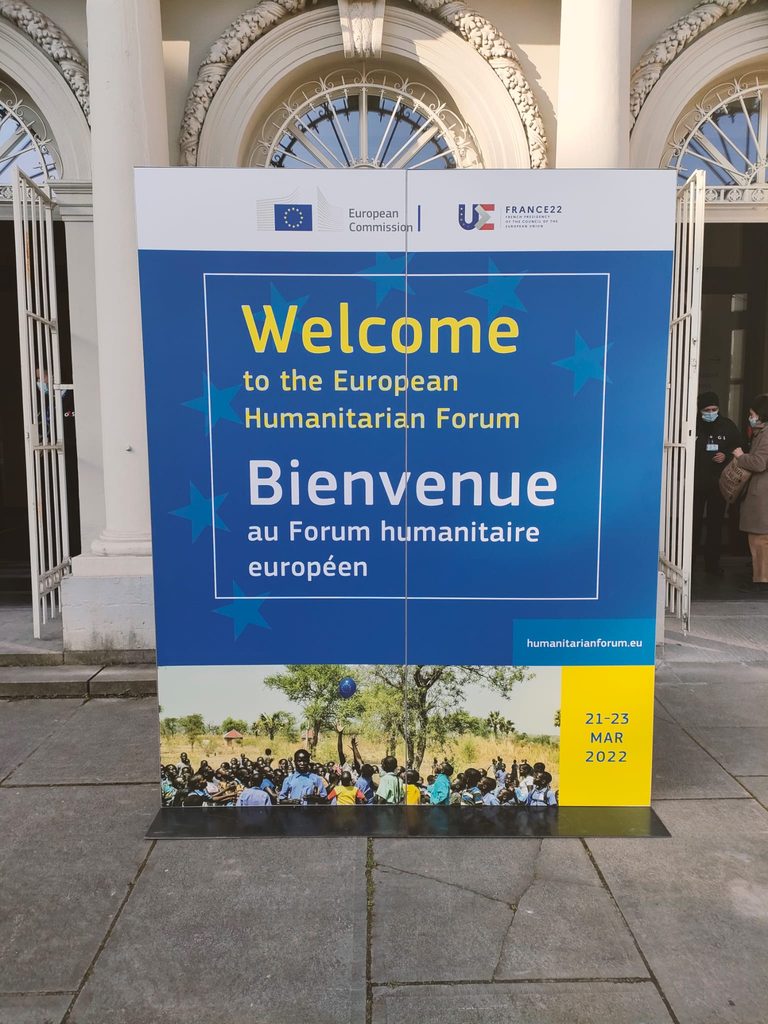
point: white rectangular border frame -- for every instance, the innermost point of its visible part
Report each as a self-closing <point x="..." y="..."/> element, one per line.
<point x="353" y="597"/>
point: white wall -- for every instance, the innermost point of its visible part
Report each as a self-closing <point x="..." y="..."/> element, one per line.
<point x="531" y="26"/>
<point x="69" y="15"/>
<point x="650" y="18"/>
<point x="201" y="22"/>
<point x="533" y="29"/>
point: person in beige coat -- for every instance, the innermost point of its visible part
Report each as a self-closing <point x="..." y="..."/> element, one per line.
<point x="753" y="516"/>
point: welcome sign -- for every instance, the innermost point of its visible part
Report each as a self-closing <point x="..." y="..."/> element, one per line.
<point x="406" y="431"/>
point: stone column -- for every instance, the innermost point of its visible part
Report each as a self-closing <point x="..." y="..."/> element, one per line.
<point x="107" y="602"/>
<point x="128" y="129"/>
<point x="593" y="94"/>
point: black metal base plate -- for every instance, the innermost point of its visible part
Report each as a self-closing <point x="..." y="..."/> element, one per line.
<point x="401" y="822"/>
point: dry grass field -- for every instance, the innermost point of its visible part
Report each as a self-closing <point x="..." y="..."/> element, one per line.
<point x="462" y="751"/>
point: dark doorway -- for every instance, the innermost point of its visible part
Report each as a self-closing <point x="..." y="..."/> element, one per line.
<point x="734" y="364"/>
<point x="15" y="578"/>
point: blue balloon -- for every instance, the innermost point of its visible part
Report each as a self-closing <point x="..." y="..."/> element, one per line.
<point x="347" y="686"/>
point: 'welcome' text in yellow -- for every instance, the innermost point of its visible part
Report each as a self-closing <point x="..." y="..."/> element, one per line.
<point x="374" y="334"/>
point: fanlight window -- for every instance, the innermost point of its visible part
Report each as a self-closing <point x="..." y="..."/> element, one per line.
<point x="726" y="136"/>
<point x="23" y="141"/>
<point x="364" y="120"/>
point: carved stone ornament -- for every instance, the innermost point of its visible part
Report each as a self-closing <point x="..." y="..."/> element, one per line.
<point x="362" y="26"/>
<point x="47" y="35"/>
<point x="253" y="24"/>
<point x="671" y="44"/>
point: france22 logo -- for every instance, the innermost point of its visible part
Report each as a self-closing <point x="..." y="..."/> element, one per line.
<point x="480" y="218"/>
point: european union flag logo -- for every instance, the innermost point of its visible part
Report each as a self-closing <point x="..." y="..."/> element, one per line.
<point x="293" y="217"/>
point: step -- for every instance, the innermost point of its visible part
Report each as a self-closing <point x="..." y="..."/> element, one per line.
<point x="31" y="681"/>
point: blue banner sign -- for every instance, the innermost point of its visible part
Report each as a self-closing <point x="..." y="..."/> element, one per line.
<point x="415" y="429"/>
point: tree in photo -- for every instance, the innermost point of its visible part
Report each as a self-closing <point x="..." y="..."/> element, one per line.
<point x="193" y="727"/>
<point x="315" y="688"/>
<point x="432" y="690"/>
<point x="169" y="727"/>
<point x="383" y="714"/>
<point x="445" y="727"/>
<point x="280" y="723"/>
<point x="499" y="725"/>
<point x="496" y="723"/>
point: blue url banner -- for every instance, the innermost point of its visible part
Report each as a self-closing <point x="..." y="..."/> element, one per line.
<point x="584" y="642"/>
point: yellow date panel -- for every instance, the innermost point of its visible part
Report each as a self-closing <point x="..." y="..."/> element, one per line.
<point x="606" y="736"/>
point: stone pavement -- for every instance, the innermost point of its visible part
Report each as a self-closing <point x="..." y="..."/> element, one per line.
<point x="724" y="631"/>
<point x="16" y="640"/>
<point x="100" y="926"/>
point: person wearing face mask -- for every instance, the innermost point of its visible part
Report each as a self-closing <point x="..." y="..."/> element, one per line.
<point x="716" y="439"/>
<point x="753" y="514"/>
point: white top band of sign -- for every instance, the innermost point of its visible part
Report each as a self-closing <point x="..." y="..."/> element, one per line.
<point x="263" y="210"/>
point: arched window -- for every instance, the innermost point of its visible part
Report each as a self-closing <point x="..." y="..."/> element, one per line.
<point x="355" y="118"/>
<point x="726" y="136"/>
<point x="24" y="141"/>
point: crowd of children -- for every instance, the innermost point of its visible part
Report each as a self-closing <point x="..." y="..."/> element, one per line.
<point x="300" y="780"/>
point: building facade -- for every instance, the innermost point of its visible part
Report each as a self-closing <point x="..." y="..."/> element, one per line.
<point x="89" y="90"/>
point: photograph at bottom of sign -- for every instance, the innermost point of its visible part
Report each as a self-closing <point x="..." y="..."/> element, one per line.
<point x="333" y="735"/>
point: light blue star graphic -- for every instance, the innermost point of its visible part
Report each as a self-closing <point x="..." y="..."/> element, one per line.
<point x="500" y="292"/>
<point x="198" y="512"/>
<point x="279" y="305"/>
<point x="244" y="613"/>
<point x="388" y="265"/>
<point x="221" y="408"/>
<point x="585" y="364"/>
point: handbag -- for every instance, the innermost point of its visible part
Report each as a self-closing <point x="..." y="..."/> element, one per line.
<point x="733" y="481"/>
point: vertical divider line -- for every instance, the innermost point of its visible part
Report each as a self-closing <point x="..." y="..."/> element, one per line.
<point x="406" y="659"/>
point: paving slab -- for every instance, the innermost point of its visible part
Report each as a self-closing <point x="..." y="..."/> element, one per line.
<point x="124" y="681"/>
<point x="16" y="640"/>
<point x="528" y="1003"/>
<point x="698" y="906"/>
<point x="33" y="1008"/>
<point x="681" y="769"/>
<point x="25" y="724"/>
<point x="741" y="750"/>
<point x="67" y="858"/>
<point x="566" y="924"/>
<point x="693" y="649"/>
<point x="104" y="741"/>
<point x="486" y="868"/>
<point x="660" y="712"/>
<point x="665" y="673"/>
<point x="733" y="701"/>
<point x="45" y="680"/>
<point x="745" y="608"/>
<point x="715" y="672"/>
<point x="757" y="786"/>
<point x="493" y="896"/>
<point x="744" y="631"/>
<point x="424" y="929"/>
<point x="234" y="931"/>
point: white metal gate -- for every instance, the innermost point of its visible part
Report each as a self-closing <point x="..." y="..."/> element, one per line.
<point x="676" y="540"/>
<point x="41" y="386"/>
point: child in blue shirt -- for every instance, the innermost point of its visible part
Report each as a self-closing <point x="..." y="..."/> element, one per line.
<point x="542" y="794"/>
